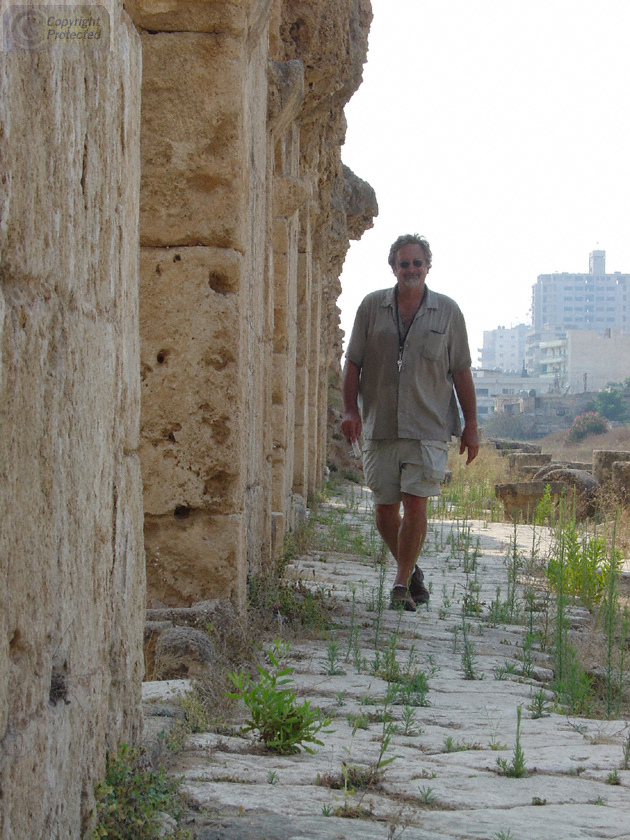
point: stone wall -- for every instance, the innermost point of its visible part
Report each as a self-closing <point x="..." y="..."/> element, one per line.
<point x="245" y="219"/>
<point x="71" y="551"/>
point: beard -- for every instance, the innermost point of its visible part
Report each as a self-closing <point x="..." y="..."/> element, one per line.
<point x="412" y="282"/>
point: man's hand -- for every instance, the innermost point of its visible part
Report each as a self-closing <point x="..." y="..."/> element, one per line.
<point x="470" y="441"/>
<point x="351" y="425"/>
<point x="351" y="422"/>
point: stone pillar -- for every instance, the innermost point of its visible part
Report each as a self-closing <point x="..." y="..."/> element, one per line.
<point x="205" y="296"/>
<point x="71" y="549"/>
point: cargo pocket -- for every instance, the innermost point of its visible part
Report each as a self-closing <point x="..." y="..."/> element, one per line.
<point x="434" y="457"/>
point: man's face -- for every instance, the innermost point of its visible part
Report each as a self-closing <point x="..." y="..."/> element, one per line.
<point x="410" y="267"/>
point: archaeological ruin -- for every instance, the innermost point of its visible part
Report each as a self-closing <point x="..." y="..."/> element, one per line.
<point x="174" y="216"/>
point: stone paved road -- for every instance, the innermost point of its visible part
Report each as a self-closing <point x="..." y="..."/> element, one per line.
<point x="444" y="781"/>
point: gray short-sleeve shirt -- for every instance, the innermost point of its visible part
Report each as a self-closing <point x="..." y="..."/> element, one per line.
<point x="419" y="401"/>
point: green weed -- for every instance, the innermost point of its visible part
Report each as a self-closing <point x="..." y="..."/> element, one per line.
<point x="515" y="768"/>
<point x="131" y="798"/>
<point x="282" y="724"/>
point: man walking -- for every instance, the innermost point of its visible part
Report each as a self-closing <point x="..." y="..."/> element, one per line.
<point x="408" y="350"/>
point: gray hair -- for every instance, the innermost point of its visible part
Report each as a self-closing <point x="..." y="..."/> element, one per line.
<point x="410" y="239"/>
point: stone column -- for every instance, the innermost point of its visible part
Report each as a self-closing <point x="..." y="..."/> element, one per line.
<point x="71" y="549"/>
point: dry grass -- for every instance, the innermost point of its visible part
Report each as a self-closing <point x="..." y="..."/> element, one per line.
<point x="488" y="467"/>
<point x="557" y="445"/>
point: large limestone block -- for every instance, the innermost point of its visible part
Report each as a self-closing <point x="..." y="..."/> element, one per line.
<point x="603" y="460"/>
<point x="194" y="556"/>
<point x="191" y="415"/>
<point x="194" y="153"/>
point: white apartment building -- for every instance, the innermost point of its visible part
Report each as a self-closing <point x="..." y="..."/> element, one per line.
<point x="585" y="360"/>
<point x="492" y="383"/>
<point x="593" y="301"/>
<point x="504" y="349"/>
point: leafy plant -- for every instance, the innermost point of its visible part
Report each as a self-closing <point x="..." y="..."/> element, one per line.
<point x="516" y="767"/>
<point x="283" y="725"/>
<point x="538" y="706"/>
<point x="132" y="798"/>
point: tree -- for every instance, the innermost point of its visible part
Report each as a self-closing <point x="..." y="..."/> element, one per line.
<point x="609" y="404"/>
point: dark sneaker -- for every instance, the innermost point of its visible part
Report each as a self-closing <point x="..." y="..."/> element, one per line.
<point x="401" y="599"/>
<point x="417" y="589"/>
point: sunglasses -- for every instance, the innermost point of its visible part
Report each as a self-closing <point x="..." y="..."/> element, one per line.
<point x="406" y="263"/>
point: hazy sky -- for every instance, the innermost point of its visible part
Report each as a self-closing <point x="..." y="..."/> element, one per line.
<point x="500" y="130"/>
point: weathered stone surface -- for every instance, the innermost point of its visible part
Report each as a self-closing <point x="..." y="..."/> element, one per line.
<point x="71" y="550"/>
<point x="184" y="652"/>
<point x="359" y="202"/>
<point x="603" y="460"/>
<point x="520" y="498"/>
<point x="191" y="456"/>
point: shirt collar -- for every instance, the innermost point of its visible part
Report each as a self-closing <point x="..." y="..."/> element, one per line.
<point x="431" y="300"/>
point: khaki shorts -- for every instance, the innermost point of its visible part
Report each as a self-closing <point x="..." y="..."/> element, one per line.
<point x="394" y="467"/>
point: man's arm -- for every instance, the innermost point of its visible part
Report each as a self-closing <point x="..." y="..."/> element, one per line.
<point x="465" y="389"/>
<point x="351" y="422"/>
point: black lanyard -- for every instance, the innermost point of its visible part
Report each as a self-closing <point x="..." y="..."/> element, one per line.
<point x="402" y="338"/>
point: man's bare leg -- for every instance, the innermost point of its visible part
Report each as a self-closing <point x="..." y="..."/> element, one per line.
<point x="403" y="535"/>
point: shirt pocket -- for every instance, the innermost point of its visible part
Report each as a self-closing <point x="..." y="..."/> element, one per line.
<point x="434" y="345"/>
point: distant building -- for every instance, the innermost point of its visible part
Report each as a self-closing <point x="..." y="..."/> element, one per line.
<point x="534" y="344"/>
<point x="593" y="301"/>
<point x="594" y="360"/>
<point x="504" y="349"/>
<point x="490" y="384"/>
<point x="584" y="360"/>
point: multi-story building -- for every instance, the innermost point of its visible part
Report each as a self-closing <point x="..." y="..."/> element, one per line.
<point x="490" y="384"/>
<point x="584" y="360"/>
<point x="593" y="301"/>
<point x="504" y="349"/>
<point x="534" y="343"/>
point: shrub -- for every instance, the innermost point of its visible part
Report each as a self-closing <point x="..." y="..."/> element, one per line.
<point x="589" y="423"/>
